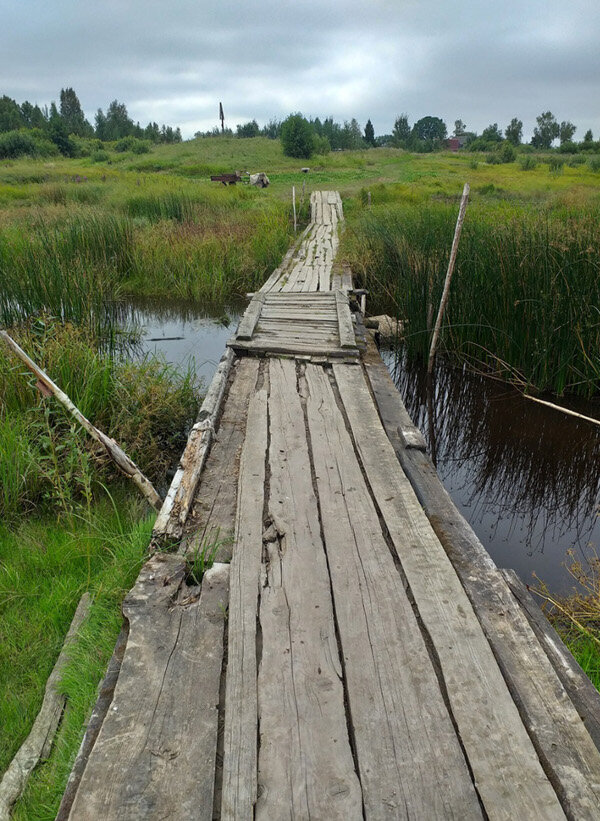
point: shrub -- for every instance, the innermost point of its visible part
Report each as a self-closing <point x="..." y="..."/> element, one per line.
<point x="132" y="144"/>
<point x="594" y="163"/>
<point x="528" y="163"/>
<point x="555" y="164"/>
<point x="16" y="144"/>
<point x="297" y="137"/>
<point x="100" y="156"/>
<point x="493" y="159"/>
<point x="507" y="153"/>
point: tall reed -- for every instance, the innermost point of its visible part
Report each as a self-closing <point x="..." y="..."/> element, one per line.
<point x="525" y="299"/>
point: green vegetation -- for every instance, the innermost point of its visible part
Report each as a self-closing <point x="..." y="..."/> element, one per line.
<point x="79" y="234"/>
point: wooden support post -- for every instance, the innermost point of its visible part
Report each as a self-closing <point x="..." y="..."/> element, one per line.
<point x="119" y="457"/>
<point x="39" y="741"/>
<point x="303" y="190"/>
<point x="446" y="291"/>
<point x="369" y="198"/>
<point x="294" y="206"/>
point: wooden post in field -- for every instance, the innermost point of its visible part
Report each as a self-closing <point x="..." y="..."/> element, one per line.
<point x="294" y="205"/>
<point x="303" y="189"/>
<point x="369" y="199"/>
<point x="47" y="387"/>
<point x="446" y="291"/>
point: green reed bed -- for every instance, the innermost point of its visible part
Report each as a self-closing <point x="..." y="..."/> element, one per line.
<point x="525" y="298"/>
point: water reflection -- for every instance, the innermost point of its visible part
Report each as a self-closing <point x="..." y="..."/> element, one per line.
<point x="527" y="478"/>
<point x="182" y="331"/>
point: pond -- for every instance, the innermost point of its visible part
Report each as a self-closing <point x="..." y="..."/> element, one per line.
<point x="525" y="477"/>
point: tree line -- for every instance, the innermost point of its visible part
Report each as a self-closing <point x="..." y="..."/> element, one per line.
<point x="303" y="136"/>
<point x="27" y="128"/>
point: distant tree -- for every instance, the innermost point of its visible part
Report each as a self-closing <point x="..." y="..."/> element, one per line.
<point x="115" y="123"/>
<point x="272" y="129"/>
<point x="566" y="132"/>
<point x="249" y="129"/>
<point x="57" y="131"/>
<point x="369" y="133"/>
<point x="72" y="114"/>
<point x="33" y="116"/>
<point x="459" y="128"/>
<point x="152" y="132"/>
<point x="353" y="137"/>
<point x="514" y="131"/>
<point x="588" y="136"/>
<point x="10" y="115"/>
<point x="101" y="129"/>
<point x="297" y="137"/>
<point x="546" y="131"/>
<point x="402" y="131"/>
<point x="430" y="129"/>
<point x="492" y="134"/>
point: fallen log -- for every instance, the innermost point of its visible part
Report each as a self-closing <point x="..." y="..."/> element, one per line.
<point x="47" y="387"/>
<point x="38" y="743"/>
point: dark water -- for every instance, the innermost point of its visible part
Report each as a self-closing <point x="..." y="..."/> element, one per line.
<point x="183" y="332"/>
<point x="526" y="478"/>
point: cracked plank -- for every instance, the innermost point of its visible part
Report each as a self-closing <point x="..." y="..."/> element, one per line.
<point x="305" y="765"/>
<point x="155" y="754"/>
<point x="409" y="758"/>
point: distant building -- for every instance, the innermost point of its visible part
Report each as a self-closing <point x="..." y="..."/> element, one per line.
<point x="456" y="143"/>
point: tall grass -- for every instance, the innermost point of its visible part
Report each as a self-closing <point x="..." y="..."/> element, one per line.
<point x="48" y="462"/>
<point x="525" y="298"/>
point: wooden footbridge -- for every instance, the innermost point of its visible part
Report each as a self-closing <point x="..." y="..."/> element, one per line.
<point x="353" y="652"/>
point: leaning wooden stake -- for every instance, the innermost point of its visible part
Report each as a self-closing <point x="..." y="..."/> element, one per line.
<point x="563" y="409"/>
<point x="444" y="300"/>
<point x="123" y="462"/>
<point x="39" y="741"/>
<point x="294" y="206"/>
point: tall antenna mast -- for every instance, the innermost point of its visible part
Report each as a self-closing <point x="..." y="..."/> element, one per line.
<point x="222" y="118"/>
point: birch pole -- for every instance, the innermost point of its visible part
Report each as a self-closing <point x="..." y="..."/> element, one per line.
<point x="446" y="291"/>
<point x="119" y="457"/>
<point x="294" y="205"/>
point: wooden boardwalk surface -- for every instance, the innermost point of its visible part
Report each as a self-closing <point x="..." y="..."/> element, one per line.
<point x="354" y="652"/>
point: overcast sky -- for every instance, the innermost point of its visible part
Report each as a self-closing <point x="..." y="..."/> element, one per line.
<point x="479" y="60"/>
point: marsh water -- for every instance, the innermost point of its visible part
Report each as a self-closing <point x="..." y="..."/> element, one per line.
<point x="525" y="477"/>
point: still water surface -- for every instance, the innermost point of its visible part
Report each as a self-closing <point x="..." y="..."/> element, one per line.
<point x="526" y="478"/>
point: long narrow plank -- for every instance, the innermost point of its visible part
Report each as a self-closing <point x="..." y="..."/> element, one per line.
<point x="325" y="277"/>
<point x="241" y="699"/>
<point x="561" y="737"/>
<point x="211" y="521"/>
<point x="251" y="317"/>
<point x="288" y="260"/>
<point x="294" y="348"/>
<point x="155" y="755"/>
<point x="507" y="771"/>
<point x="409" y="758"/>
<point x="305" y="761"/>
<point x="347" y="337"/>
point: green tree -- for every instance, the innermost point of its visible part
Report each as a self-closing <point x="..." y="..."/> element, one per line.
<point x="57" y="131"/>
<point x="353" y="137"/>
<point x="369" y="133"/>
<point x="72" y="114"/>
<point x="546" y="131"/>
<point x="566" y="132"/>
<point x="10" y="115"/>
<point x="492" y="134"/>
<point x="115" y="123"/>
<point x="588" y="136"/>
<point x="430" y="129"/>
<point x="514" y="131"/>
<point x="249" y="129"/>
<point x="459" y="128"/>
<point x="402" y="131"/>
<point x="33" y="116"/>
<point x="297" y="137"/>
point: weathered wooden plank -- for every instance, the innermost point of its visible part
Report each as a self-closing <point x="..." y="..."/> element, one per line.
<point x="391" y="407"/>
<point x="297" y="348"/>
<point x="211" y="520"/>
<point x="325" y="277"/>
<point x="346" y="328"/>
<point x="409" y="758"/>
<point x="251" y="316"/>
<point x="170" y="520"/>
<point x="497" y="745"/>
<point x="346" y="278"/>
<point x="155" y="754"/>
<point x="305" y="761"/>
<point x="580" y="689"/>
<point x="559" y="736"/>
<point x="241" y="700"/>
<point x="294" y="251"/>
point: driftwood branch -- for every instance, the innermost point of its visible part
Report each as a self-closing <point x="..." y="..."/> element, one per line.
<point x="562" y="409"/>
<point x="38" y="743"/>
<point x="446" y="291"/>
<point x="119" y="457"/>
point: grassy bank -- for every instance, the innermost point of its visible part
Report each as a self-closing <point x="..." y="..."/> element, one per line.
<point x="70" y="523"/>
